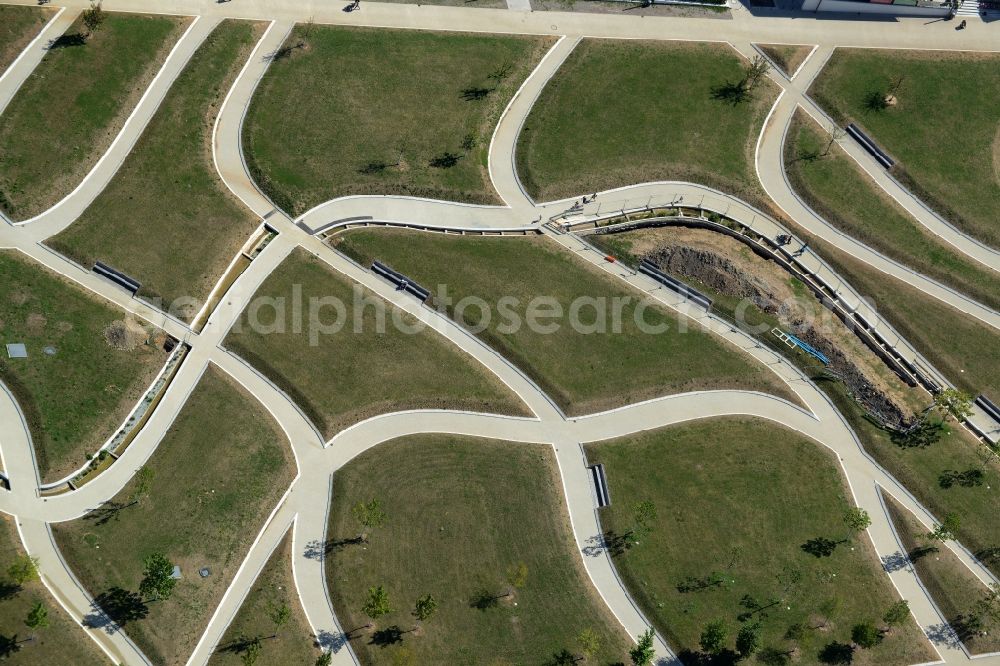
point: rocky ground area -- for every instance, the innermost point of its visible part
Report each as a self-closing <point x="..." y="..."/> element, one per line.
<point x="726" y="266"/>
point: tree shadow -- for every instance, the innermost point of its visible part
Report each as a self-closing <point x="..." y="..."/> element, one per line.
<point x="562" y="658"/>
<point x="316" y="550"/>
<point x="690" y="657"/>
<point x="699" y="583"/>
<point x="108" y="511"/>
<point x="236" y="646"/>
<point x="114" y="608"/>
<point x="970" y="478"/>
<point x="819" y="547"/>
<point x="386" y="637"/>
<point x="730" y="93"/>
<point x="836" y="653"/>
<point x="8" y="590"/>
<point x="331" y="642"/>
<point x="920" y="435"/>
<point x="8" y="645"/>
<point x="875" y="101"/>
<point x="67" y="41"/>
<point x="895" y="562"/>
<point x="921" y="551"/>
<point x="474" y="94"/>
<point x="944" y="634"/>
<point x="445" y="160"/>
<point x="484" y="599"/>
<point x="373" y="168"/>
<point x="770" y="656"/>
<point x="989" y="555"/>
<point x="283" y="52"/>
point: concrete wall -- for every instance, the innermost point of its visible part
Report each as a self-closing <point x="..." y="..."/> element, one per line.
<point x="848" y="7"/>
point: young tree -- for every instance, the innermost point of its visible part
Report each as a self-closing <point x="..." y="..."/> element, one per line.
<point x="377" y="603"/>
<point x="953" y="403"/>
<point x="369" y="515"/>
<point x="866" y="635"/>
<point x="324" y="659"/>
<point x="280" y="615"/>
<point x="713" y="638"/>
<point x="38" y="617"/>
<point x="517" y="577"/>
<point x="425" y="607"/>
<point x="748" y="640"/>
<point x="93" y="17"/>
<point x="143" y="479"/>
<point x="642" y="654"/>
<point x="946" y="529"/>
<point x="157" y="579"/>
<point x="643" y="516"/>
<point x="836" y="134"/>
<point x="589" y="642"/>
<point x="753" y="73"/>
<point x="857" y="520"/>
<point x="251" y="653"/>
<point x="23" y="570"/>
<point x="828" y="609"/>
<point x="897" y="613"/>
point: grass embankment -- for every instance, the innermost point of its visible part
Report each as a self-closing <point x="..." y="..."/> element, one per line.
<point x="839" y="190"/>
<point x="75" y="398"/>
<point x="582" y="368"/>
<point x="167" y="219"/>
<point x="61" y="642"/>
<point x="372" y="111"/>
<point x="722" y="490"/>
<point x="954" y="172"/>
<point x="72" y="106"/>
<point x="789" y="57"/>
<point x="758" y="295"/>
<point x="18" y="26"/>
<point x="364" y="368"/>
<point x="652" y="111"/>
<point x="926" y="471"/>
<point x="953" y="587"/>
<point x="462" y="514"/>
<point x="966" y="350"/>
<point x="217" y="475"/>
<point x="273" y="590"/>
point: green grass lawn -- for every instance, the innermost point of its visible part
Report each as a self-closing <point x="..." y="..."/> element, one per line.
<point x="217" y="475"/>
<point x="374" y="111"/>
<point x="954" y="588"/>
<point x="582" y="369"/>
<point x="167" y="219"/>
<point x="462" y="514"/>
<point x="966" y="350"/>
<point x="274" y="589"/>
<point x="956" y="172"/>
<point x="839" y="190"/>
<point x="18" y="26"/>
<point x="343" y="377"/>
<point x="736" y="499"/>
<point x="789" y="57"/>
<point x="62" y="642"/>
<point x="76" y="398"/>
<point x="625" y="112"/>
<point x="73" y="105"/>
<point x="920" y="470"/>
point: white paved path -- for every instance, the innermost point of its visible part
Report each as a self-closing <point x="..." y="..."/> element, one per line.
<point x="307" y="502"/>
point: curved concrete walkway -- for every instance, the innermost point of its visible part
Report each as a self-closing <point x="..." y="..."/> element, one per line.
<point x="306" y="504"/>
<point x="770" y="165"/>
<point x="917" y="209"/>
